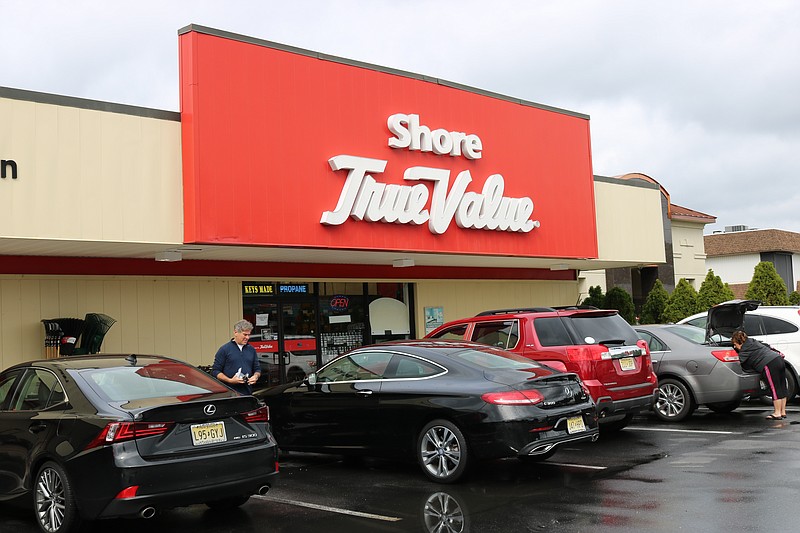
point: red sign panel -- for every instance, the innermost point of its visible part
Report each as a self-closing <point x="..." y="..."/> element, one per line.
<point x="283" y="148"/>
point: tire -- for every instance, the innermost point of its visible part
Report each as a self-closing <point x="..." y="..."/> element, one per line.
<point x="54" y="500"/>
<point x="791" y="382"/>
<point x="616" y="425"/>
<point x="442" y="451"/>
<point x="724" y="407"/>
<point x="226" y="504"/>
<point x="674" y="401"/>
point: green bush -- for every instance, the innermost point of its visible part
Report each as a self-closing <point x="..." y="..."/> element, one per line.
<point x="682" y="302"/>
<point x="767" y="286"/>
<point x="619" y="299"/>
<point x="712" y="292"/>
<point x="794" y="298"/>
<point x="595" y="298"/>
<point x="654" y="305"/>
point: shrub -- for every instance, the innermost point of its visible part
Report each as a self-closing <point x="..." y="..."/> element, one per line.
<point x="619" y="299"/>
<point x="767" y="286"/>
<point x="712" y="292"/>
<point x="682" y="302"/>
<point x="595" y="297"/>
<point x="654" y="305"/>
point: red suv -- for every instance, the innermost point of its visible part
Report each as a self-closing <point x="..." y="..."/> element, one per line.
<point x="597" y="344"/>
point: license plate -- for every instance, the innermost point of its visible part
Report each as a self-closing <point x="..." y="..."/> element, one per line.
<point x="575" y="424"/>
<point x="208" y="433"/>
<point x="627" y="363"/>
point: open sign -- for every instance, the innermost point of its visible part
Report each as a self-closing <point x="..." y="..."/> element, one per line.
<point x="340" y="303"/>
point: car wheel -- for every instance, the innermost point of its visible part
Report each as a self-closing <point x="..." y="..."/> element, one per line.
<point x="674" y="401"/>
<point x="227" y="504"/>
<point x="54" y="500"/>
<point x="442" y="451"/>
<point x="724" y="407"/>
<point x="616" y="425"/>
<point x="791" y="385"/>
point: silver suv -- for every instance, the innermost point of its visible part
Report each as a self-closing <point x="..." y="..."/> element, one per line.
<point x="776" y="325"/>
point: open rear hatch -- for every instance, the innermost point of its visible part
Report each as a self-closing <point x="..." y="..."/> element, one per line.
<point x="725" y="318"/>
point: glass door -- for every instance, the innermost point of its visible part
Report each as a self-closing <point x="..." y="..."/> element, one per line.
<point x="298" y="339"/>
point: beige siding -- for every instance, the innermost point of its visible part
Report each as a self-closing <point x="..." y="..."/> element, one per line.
<point x="90" y="175"/>
<point x="629" y="223"/>
<point x="467" y="298"/>
<point x="689" y="254"/>
<point x="187" y="318"/>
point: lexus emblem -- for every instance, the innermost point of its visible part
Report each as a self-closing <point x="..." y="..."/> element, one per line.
<point x="210" y="409"/>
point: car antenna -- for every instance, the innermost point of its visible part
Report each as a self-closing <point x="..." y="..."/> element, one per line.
<point x="131" y="359"/>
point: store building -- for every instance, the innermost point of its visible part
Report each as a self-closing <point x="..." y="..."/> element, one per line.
<point x="331" y="202"/>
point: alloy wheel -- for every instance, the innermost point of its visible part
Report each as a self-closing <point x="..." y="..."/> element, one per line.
<point x="440" y="451"/>
<point x="673" y="401"/>
<point x="50" y="500"/>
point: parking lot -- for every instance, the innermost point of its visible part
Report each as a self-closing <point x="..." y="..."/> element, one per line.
<point x="735" y="472"/>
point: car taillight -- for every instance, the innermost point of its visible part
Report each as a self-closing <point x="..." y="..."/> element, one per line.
<point x="259" y="415"/>
<point x="129" y="492"/>
<point x="527" y="397"/>
<point x="726" y="356"/>
<point x="592" y="352"/>
<point x="122" y="431"/>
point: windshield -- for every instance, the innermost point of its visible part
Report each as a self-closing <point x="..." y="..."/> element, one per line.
<point x="690" y="333"/>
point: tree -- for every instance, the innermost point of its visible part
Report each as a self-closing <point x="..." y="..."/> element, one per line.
<point x="595" y="297"/>
<point x="728" y="292"/>
<point x="712" y="292"/>
<point x="767" y="286"/>
<point x="682" y="302"/>
<point x="654" y="305"/>
<point x="619" y="299"/>
<point x="794" y="298"/>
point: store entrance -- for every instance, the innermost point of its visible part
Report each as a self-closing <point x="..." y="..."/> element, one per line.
<point x="298" y="340"/>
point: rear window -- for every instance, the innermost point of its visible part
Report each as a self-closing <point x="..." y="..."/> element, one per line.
<point x="776" y="326"/>
<point x="551" y="332"/>
<point x="599" y="329"/>
<point x="163" y="379"/>
<point x="495" y="359"/>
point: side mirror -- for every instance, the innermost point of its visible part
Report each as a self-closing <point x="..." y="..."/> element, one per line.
<point x="312" y="378"/>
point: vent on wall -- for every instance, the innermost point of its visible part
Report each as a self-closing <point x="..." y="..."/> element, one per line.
<point x="731" y="229"/>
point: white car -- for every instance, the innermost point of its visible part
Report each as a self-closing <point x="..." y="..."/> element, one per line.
<point x="776" y="325"/>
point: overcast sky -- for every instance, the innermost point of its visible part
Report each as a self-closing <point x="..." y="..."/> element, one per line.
<point x="703" y="96"/>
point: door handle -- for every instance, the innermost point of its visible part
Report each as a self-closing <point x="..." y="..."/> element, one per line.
<point x="364" y="392"/>
<point x="37" y="428"/>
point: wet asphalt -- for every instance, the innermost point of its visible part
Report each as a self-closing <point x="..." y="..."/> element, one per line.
<point x="711" y="473"/>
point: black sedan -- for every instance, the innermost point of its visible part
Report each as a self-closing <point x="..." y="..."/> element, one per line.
<point x="441" y="402"/>
<point x="83" y="438"/>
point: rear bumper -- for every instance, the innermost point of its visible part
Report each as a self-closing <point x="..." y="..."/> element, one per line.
<point x="608" y="409"/>
<point x="170" y="482"/>
<point x="130" y="507"/>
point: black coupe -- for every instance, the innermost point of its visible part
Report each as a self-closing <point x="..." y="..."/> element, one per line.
<point x="442" y="402"/>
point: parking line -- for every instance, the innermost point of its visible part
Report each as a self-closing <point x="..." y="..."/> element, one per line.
<point x="330" y="509"/>
<point x="684" y="430"/>
<point x="571" y="465"/>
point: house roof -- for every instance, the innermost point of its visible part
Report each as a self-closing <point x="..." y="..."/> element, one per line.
<point x="751" y="241"/>
<point x="690" y="215"/>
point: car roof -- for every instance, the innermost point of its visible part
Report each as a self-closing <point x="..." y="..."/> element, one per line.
<point x="100" y="361"/>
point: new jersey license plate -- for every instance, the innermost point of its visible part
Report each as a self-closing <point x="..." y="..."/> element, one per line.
<point x="208" y="433"/>
<point x="627" y="363"/>
<point x="575" y="424"/>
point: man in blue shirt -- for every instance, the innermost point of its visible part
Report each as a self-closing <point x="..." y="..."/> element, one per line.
<point x="236" y="363"/>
